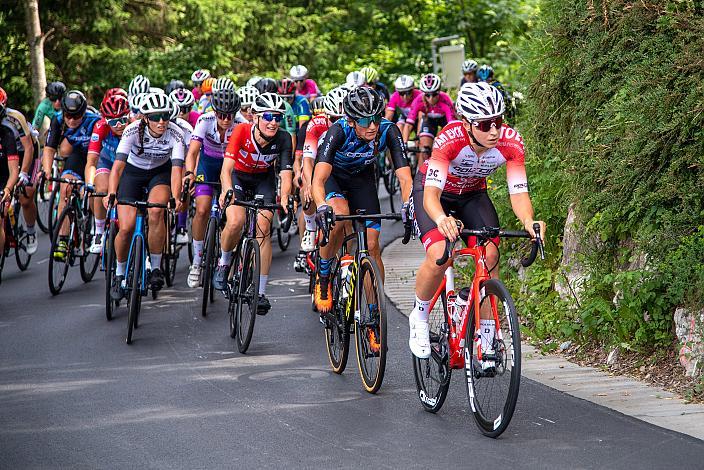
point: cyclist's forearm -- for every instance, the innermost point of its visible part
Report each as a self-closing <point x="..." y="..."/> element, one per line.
<point x="286" y="183"/>
<point x="14" y="167"/>
<point x="226" y="175"/>
<point x="192" y="156"/>
<point x="28" y="158"/>
<point x="91" y="163"/>
<point x="522" y="207"/>
<point x="115" y="175"/>
<point x="48" y="159"/>
<point x="307" y="172"/>
<point x="431" y="203"/>
<point x="320" y="176"/>
<point x="406" y="181"/>
<point x="176" y="175"/>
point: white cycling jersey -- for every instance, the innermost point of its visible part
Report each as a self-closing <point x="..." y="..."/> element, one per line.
<point x="187" y="130"/>
<point x="207" y="133"/>
<point x="152" y="152"/>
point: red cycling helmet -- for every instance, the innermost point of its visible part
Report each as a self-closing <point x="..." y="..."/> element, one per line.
<point x="286" y="86"/>
<point x="114" y="106"/>
<point x="115" y="91"/>
<point x="3" y="102"/>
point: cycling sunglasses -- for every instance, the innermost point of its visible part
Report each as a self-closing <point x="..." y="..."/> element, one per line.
<point x="367" y="121"/>
<point x="54" y="98"/>
<point x="159" y="117"/>
<point x="486" y="125"/>
<point x="432" y="94"/>
<point x="73" y="116"/>
<point x="405" y="93"/>
<point x="121" y="121"/>
<point x="223" y="116"/>
<point x="276" y="117"/>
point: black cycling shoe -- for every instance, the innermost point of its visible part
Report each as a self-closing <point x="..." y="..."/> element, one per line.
<point x="116" y="290"/>
<point x="156" y="279"/>
<point x="263" y="306"/>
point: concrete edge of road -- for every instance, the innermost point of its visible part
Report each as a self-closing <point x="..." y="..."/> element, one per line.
<point x="625" y="395"/>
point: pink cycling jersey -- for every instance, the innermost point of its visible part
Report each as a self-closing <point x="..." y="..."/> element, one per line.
<point x="309" y="88"/>
<point x="397" y="102"/>
<point x="443" y="108"/>
<point x="456" y="168"/>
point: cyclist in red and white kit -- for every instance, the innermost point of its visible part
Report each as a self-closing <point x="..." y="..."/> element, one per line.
<point x="454" y="179"/>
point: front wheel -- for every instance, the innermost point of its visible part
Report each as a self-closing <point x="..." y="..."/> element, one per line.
<point x="89" y="261"/>
<point x="110" y="266"/>
<point x="209" y="263"/>
<point x="370" y="325"/>
<point x="248" y="295"/>
<point x="134" y="282"/>
<point x="58" y="268"/>
<point x="21" y="238"/>
<point x="492" y="384"/>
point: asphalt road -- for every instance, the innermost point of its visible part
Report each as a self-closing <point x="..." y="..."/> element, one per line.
<point x="74" y="395"/>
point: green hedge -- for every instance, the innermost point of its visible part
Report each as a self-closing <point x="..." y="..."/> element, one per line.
<point x="614" y="123"/>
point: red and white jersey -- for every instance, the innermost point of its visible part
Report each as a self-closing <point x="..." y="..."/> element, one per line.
<point x="316" y="130"/>
<point x="249" y="157"/>
<point x="455" y="167"/>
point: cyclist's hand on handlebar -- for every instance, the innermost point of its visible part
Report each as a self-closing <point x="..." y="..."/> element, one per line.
<point x="24" y="178"/>
<point x="224" y="196"/>
<point x="528" y="225"/>
<point x="107" y="200"/>
<point x="450" y="227"/>
<point x="323" y="216"/>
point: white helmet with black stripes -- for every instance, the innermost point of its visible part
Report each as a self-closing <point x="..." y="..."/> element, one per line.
<point x="477" y="101"/>
<point x="156" y="103"/>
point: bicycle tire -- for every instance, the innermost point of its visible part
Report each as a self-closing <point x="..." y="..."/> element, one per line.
<point x="337" y="329"/>
<point x="170" y="257"/>
<point x="248" y="295"/>
<point x="493" y="424"/>
<point x="22" y="258"/>
<point x="42" y="203"/>
<point x="110" y="265"/>
<point x="370" y="327"/>
<point x="89" y="262"/>
<point x="433" y="375"/>
<point x="57" y="277"/>
<point x="54" y="206"/>
<point x="135" y="296"/>
<point x="209" y="260"/>
<point x="284" y="238"/>
<point x="232" y="289"/>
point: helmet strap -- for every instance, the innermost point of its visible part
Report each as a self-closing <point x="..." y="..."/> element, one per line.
<point x="261" y="134"/>
<point x="474" y="139"/>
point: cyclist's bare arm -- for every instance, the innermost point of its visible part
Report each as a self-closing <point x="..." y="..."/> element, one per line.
<point x="320" y="176"/>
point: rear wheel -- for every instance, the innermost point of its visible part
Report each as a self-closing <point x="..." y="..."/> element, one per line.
<point x="209" y="260"/>
<point x="170" y="257"/>
<point x="370" y="327"/>
<point x="110" y="265"/>
<point x="433" y="374"/>
<point x="21" y="237"/>
<point x="248" y="295"/>
<point x="492" y="391"/>
<point x="58" y="269"/>
<point x="89" y="261"/>
<point x="134" y="282"/>
<point x="42" y="196"/>
<point x="53" y="205"/>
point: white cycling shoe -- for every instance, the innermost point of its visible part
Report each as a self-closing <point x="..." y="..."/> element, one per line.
<point x="194" y="276"/>
<point x="419" y="340"/>
<point x="308" y="241"/>
<point x="97" y="246"/>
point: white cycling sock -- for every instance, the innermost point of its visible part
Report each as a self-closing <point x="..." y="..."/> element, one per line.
<point x="121" y="268"/>
<point x="420" y="310"/>
<point x="197" y="251"/>
<point x="225" y="258"/>
<point x="487" y="328"/>
<point x="156" y="260"/>
<point x="99" y="226"/>
<point x="263" y="279"/>
<point x="310" y="222"/>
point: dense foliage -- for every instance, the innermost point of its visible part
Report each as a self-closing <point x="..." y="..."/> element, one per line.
<point x="615" y="124"/>
<point x="96" y="45"/>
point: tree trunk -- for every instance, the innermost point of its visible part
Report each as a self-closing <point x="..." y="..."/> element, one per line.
<point x="35" y="39"/>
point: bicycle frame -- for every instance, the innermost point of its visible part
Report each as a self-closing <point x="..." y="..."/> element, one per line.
<point x="457" y="333"/>
<point x="139" y="232"/>
<point x="111" y="224"/>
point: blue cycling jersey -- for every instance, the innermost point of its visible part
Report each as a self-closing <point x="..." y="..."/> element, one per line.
<point x="79" y="137"/>
<point x="349" y="154"/>
<point x="301" y="109"/>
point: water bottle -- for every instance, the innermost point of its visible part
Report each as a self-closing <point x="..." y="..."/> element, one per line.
<point x="346" y="274"/>
<point x="460" y="304"/>
<point x="11" y="214"/>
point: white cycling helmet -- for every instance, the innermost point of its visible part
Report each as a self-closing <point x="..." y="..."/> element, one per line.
<point x="253" y="81"/>
<point x="269" y="102"/>
<point x="404" y="83"/>
<point x="469" y="66"/>
<point x="247" y="95"/>
<point x="333" y="101"/>
<point x="355" y="79"/>
<point x="135" y="101"/>
<point x="298" y="72"/>
<point x="223" y="83"/>
<point x="182" y="97"/>
<point x="156" y="103"/>
<point x="139" y="84"/>
<point x="199" y="75"/>
<point x="477" y="101"/>
<point x="430" y="83"/>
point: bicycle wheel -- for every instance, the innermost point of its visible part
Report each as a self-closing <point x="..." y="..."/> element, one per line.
<point x="337" y="327"/>
<point x="370" y="325"/>
<point x="58" y="270"/>
<point x="53" y="209"/>
<point x="110" y="265"/>
<point x="209" y="261"/>
<point x="492" y="392"/>
<point x="248" y="295"/>
<point x="233" y="286"/>
<point x="89" y="261"/>
<point x="134" y="281"/>
<point x="433" y="374"/>
<point x="21" y="256"/>
<point x="42" y="196"/>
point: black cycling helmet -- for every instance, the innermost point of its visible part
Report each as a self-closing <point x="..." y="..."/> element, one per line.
<point x="266" y="85"/>
<point x="363" y="102"/>
<point x="55" y="90"/>
<point x="226" y="101"/>
<point x="74" y="103"/>
<point x="174" y="85"/>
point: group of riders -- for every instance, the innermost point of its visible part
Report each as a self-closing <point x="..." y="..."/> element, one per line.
<point x="273" y="138"/>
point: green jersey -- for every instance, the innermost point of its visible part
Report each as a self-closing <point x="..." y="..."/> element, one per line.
<point x="45" y="109"/>
<point x="289" y="123"/>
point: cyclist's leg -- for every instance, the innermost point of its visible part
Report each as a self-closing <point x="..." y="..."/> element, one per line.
<point x="29" y="208"/>
<point x="428" y="129"/>
<point x="307" y="221"/>
<point x="73" y="170"/>
<point x="199" y="223"/>
<point x="361" y="194"/>
<point x="267" y="188"/>
<point x="4" y="176"/>
<point x="102" y="176"/>
<point x="133" y="183"/>
<point x="159" y="188"/>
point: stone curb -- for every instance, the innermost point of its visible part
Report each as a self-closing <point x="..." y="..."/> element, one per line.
<point x="623" y="394"/>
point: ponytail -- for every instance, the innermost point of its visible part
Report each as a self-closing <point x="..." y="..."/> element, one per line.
<point x="142" y="126"/>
